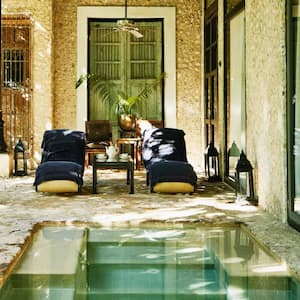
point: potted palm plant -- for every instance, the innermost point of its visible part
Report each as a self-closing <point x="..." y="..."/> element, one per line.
<point x="125" y="109"/>
<point x="123" y="106"/>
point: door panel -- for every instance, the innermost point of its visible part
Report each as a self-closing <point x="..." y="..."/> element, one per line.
<point x="105" y="54"/>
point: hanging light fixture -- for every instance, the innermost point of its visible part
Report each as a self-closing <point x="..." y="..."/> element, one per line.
<point x="128" y="25"/>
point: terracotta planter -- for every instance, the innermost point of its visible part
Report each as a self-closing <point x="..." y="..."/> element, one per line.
<point x="126" y="122"/>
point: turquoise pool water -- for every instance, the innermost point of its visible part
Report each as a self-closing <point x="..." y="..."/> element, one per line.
<point x="159" y="263"/>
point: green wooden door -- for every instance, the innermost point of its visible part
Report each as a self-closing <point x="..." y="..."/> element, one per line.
<point x="125" y="64"/>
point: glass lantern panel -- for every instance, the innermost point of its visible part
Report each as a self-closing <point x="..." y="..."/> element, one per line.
<point x="20" y="165"/>
<point x="232" y="164"/>
<point x="244" y="187"/>
<point x="213" y="166"/>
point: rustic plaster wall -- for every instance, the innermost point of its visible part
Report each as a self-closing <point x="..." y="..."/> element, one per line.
<point x="189" y="65"/>
<point x="54" y="57"/>
<point x="266" y="97"/>
<point x="41" y="56"/>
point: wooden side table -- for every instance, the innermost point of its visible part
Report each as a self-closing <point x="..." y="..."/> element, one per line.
<point x="136" y="143"/>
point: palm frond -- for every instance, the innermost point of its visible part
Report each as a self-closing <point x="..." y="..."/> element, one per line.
<point x="119" y="102"/>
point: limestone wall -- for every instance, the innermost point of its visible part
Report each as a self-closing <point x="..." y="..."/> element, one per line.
<point x="54" y="57"/>
<point x="266" y="101"/>
<point x="189" y="65"/>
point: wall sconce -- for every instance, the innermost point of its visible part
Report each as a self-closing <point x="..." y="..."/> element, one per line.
<point x="211" y="163"/>
<point x="20" y="159"/>
<point x="244" y="179"/>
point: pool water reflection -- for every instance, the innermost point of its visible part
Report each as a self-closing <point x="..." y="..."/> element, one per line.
<point x="160" y="263"/>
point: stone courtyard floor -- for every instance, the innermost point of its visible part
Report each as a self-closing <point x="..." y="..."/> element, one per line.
<point x="212" y="204"/>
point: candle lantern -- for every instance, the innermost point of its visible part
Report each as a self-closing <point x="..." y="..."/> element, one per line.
<point x="211" y="163"/>
<point x="244" y="178"/>
<point x="20" y="159"/>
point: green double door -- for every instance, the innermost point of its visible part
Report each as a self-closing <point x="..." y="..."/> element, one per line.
<point x="125" y="64"/>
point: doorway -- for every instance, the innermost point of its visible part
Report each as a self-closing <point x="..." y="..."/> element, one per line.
<point x="125" y="64"/>
<point x="16" y="80"/>
<point x="211" y="72"/>
<point x="168" y="17"/>
<point x="235" y="86"/>
<point x="293" y="108"/>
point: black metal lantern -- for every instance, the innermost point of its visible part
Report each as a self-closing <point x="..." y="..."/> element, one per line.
<point x="244" y="178"/>
<point x="20" y="159"/>
<point x="211" y="163"/>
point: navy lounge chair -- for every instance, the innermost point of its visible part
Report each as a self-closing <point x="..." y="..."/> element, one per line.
<point x="165" y="160"/>
<point x="62" y="163"/>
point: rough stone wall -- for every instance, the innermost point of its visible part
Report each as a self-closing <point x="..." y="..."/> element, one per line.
<point x="189" y="66"/>
<point x="54" y="76"/>
<point x="265" y="98"/>
<point x="41" y="56"/>
<point x="65" y="55"/>
<point x="189" y="77"/>
<point x="54" y="64"/>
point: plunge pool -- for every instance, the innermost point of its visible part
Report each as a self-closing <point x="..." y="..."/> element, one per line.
<point x="170" y="263"/>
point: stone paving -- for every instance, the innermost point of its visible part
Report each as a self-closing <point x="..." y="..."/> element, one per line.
<point x="212" y="204"/>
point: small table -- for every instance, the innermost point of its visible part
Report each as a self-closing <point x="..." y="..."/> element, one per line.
<point x="135" y="142"/>
<point x="127" y="165"/>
